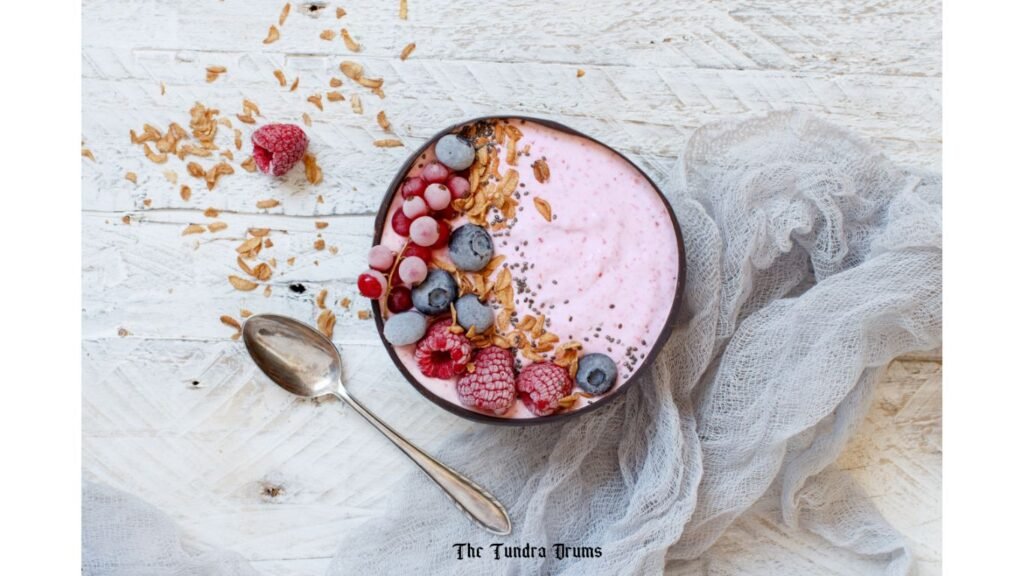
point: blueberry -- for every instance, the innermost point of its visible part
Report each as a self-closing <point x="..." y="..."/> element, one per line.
<point x="436" y="293"/>
<point x="470" y="311"/>
<point x="596" y="373"/>
<point x="405" y="328"/>
<point x="454" y="152"/>
<point x="470" y="248"/>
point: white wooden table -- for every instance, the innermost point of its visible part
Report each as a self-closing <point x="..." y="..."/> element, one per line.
<point x="172" y="410"/>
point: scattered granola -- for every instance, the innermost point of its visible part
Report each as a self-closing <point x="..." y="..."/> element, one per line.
<point x="272" y="35"/>
<point x="407" y="51"/>
<point x="271" y="203"/>
<point x="382" y="121"/>
<point x="214" y="72"/>
<point x="325" y="323"/>
<point x="186" y="193"/>
<point x="350" y="43"/>
<point x="314" y="175"/>
<point x="131" y="177"/>
<point x="193" y="229"/>
<point x="388" y="143"/>
<point x="281" y="79"/>
<point x="316" y="100"/>
<point x="543" y="207"/>
<point x="284" y="14"/>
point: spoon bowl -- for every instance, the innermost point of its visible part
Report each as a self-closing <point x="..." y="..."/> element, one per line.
<point x="304" y="362"/>
<point x="295" y="356"/>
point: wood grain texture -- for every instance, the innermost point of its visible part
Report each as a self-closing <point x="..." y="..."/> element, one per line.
<point x="241" y="465"/>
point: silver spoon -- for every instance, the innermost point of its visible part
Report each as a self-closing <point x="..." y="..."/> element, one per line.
<point x="304" y="362"/>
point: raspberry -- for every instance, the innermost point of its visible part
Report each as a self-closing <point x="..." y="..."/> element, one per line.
<point x="541" y="385"/>
<point x="442" y="354"/>
<point x="277" y="147"/>
<point x="491" y="386"/>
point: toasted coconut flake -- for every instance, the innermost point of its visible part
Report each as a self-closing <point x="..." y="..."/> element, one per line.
<point x="266" y="291"/>
<point x="155" y="157"/>
<point x="319" y="244"/>
<point x="193" y="229"/>
<point x="350" y="43"/>
<point x="242" y="284"/>
<point x="568" y="401"/>
<point x="335" y="82"/>
<point x="320" y="224"/>
<point x="580" y="72"/>
<point x="378" y="92"/>
<point x="211" y="212"/>
<point x="272" y="35"/>
<point x="250" y="107"/>
<point x="541" y="171"/>
<point x="268" y="243"/>
<point x="262" y="271"/>
<point x="325" y="323"/>
<point x="335" y="96"/>
<point x="363" y="314"/>
<point x="295" y="85"/>
<point x="316" y="100"/>
<point x="246" y="118"/>
<point x="249" y="164"/>
<point x="345" y="302"/>
<point x="269" y="203"/>
<point x="382" y="121"/>
<point x="195" y="170"/>
<point x="407" y="51"/>
<point x="328" y="35"/>
<point x="307" y="119"/>
<point x="229" y="321"/>
<point x="217" y="226"/>
<point x="281" y="79"/>
<point x="351" y="69"/>
<point x="214" y="72"/>
<point x="245" y="312"/>
<point x="370" y="82"/>
<point x="249" y="245"/>
<point x="542" y="207"/>
<point x="131" y="177"/>
<point x="186" y="193"/>
<point x="388" y="143"/>
<point x="403" y="9"/>
<point x="259" y="232"/>
<point x="314" y="175"/>
<point x="284" y="14"/>
<point x="218" y="170"/>
<point x="357" y="104"/>
<point x="339" y="13"/>
<point x="321" y="298"/>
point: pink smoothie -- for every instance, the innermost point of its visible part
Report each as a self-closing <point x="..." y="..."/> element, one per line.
<point x="603" y="271"/>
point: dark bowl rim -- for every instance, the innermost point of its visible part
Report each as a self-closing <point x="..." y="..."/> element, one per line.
<point x="666" y="330"/>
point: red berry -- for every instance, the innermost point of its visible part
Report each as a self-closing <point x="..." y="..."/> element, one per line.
<point x="541" y="385"/>
<point x="413" y="187"/>
<point x="491" y="386"/>
<point x="278" y="147"/>
<point x="400" y="299"/>
<point x="372" y="284"/>
<point x="449" y="213"/>
<point x="443" y="231"/>
<point x="400" y="223"/>
<point x="417" y="251"/>
<point x="434" y="172"/>
<point x="459" y="186"/>
<point x="442" y="354"/>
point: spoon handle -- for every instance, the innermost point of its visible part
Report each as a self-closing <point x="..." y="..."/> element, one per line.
<point x="468" y="497"/>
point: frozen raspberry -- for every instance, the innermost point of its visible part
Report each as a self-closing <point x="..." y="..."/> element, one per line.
<point x="372" y="284"/>
<point x="415" y="186"/>
<point x="492" y="384"/>
<point x="400" y="299"/>
<point x="400" y="223"/>
<point x="541" y="385"/>
<point x="277" y="147"/>
<point x="434" y="172"/>
<point x="442" y="354"/>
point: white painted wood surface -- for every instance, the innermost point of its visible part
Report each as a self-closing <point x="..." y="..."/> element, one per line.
<point x="243" y="466"/>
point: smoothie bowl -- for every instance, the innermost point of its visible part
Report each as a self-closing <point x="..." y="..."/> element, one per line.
<point x="522" y="272"/>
